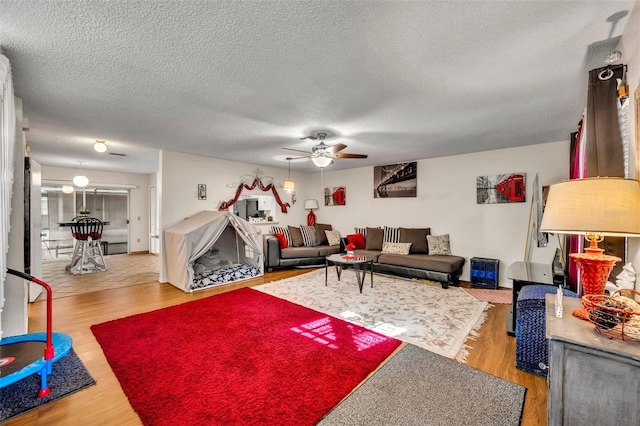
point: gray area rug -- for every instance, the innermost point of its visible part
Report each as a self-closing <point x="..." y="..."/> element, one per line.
<point x="418" y="387"/>
<point x="68" y="375"/>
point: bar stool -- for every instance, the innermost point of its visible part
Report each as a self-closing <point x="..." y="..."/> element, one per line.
<point x="87" y="252"/>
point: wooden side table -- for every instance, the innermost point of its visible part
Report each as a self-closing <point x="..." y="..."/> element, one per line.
<point x="593" y="380"/>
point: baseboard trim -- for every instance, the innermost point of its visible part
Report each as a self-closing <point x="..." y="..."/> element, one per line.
<point x="140" y="252"/>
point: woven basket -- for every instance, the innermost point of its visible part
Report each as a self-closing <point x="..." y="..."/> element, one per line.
<point x="614" y="316"/>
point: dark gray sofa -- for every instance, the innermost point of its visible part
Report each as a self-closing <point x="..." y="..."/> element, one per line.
<point x="441" y="268"/>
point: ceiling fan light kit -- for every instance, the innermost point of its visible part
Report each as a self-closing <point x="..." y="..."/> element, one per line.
<point x="321" y="162"/>
<point x="322" y="154"/>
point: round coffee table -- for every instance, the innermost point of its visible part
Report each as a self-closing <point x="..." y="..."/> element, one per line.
<point x="359" y="263"/>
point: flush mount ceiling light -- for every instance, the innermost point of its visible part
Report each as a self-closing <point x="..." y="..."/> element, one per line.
<point x="100" y="146"/>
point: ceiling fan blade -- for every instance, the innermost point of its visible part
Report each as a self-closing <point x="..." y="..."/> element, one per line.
<point x="299" y="158"/>
<point x="336" y="148"/>
<point x="297" y="150"/>
<point x="350" y="156"/>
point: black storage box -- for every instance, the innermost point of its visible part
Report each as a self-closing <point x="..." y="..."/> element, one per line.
<point x="484" y="272"/>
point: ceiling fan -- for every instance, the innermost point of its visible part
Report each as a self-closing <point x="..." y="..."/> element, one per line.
<point x="322" y="154"/>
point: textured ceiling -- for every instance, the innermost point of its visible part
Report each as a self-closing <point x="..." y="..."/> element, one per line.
<point x="241" y="79"/>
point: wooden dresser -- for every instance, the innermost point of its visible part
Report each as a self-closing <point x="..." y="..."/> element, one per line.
<point x="593" y="380"/>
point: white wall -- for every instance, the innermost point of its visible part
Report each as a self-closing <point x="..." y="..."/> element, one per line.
<point x="14" y="313"/>
<point x="446" y="202"/>
<point x="446" y="199"/>
<point x="138" y="198"/>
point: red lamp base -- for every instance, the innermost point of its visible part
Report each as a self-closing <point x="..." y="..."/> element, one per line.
<point x="311" y="218"/>
<point x="594" y="267"/>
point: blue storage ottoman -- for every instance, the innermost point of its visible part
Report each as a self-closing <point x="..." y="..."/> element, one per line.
<point x="532" y="347"/>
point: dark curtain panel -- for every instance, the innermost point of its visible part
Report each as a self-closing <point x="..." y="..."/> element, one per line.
<point x="604" y="151"/>
<point x="605" y="155"/>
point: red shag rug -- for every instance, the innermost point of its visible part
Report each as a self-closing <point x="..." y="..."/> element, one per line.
<point x="242" y="357"/>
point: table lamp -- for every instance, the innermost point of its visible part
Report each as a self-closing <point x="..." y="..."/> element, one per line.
<point x="596" y="208"/>
<point x="311" y="205"/>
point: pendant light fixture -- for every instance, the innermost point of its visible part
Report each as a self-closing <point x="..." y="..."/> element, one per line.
<point x="67" y="189"/>
<point x="289" y="185"/>
<point x="80" y="180"/>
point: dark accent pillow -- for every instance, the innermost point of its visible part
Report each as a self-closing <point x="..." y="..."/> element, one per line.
<point x="374" y="238"/>
<point x="417" y="237"/>
<point x="296" y="237"/>
<point x="282" y="239"/>
<point x="357" y="240"/>
<point x="321" y="236"/>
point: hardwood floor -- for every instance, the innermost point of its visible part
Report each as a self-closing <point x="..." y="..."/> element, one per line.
<point x="106" y="404"/>
<point x="122" y="271"/>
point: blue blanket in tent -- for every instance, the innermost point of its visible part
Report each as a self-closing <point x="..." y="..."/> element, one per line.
<point x="224" y="275"/>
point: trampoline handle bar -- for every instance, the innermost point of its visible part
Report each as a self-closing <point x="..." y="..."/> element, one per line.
<point x="48" y="350"/>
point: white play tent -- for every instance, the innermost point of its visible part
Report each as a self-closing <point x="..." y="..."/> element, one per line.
<point x="231" y="246"/>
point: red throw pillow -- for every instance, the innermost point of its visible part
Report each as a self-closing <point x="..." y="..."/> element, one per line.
<point x="357" y="240"/>
<point x="282" y="239"/>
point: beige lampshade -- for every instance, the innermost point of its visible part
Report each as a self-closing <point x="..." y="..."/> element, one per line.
<point x="602" y="205"/>
<point x="289" y="186"/>
<point x="311" y="204"/>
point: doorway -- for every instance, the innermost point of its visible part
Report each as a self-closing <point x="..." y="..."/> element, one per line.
<point x="58" y="208"/>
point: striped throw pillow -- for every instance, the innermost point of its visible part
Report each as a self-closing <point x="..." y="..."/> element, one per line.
<point x="391" y="235"/>
<point x="282" y="230"/>
<point x="308" y="235"/>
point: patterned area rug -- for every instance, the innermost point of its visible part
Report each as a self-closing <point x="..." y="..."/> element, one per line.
<point x="491" y="296"/>
<point x="425" y="315"/>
